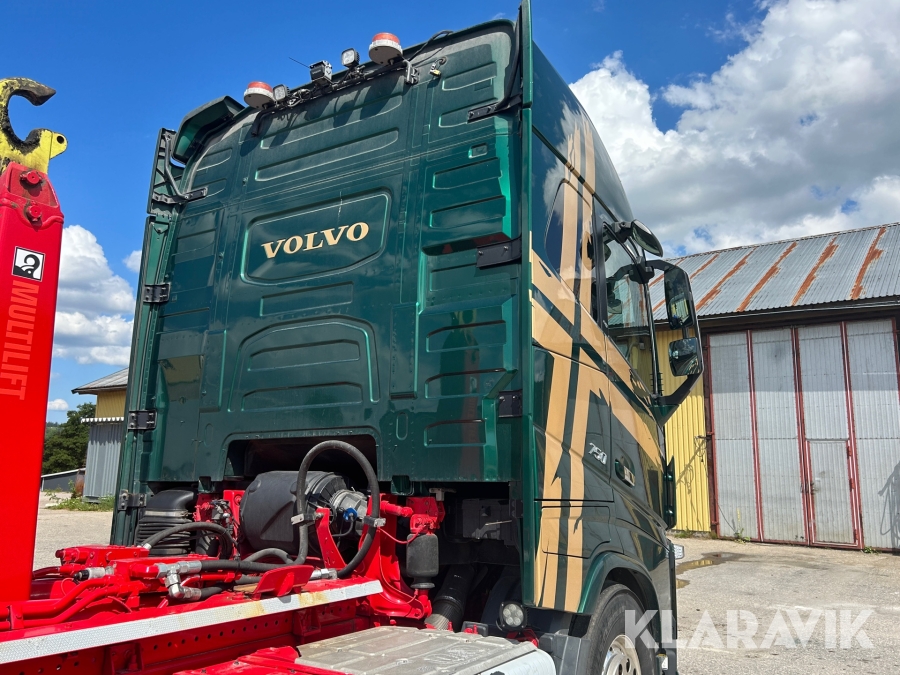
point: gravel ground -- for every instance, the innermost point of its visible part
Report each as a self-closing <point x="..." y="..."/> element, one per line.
<point x="58" y="529"/>
<point x="789" y="582"/>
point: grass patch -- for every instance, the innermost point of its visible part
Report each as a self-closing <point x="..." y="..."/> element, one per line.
<point x="75" y="504"/>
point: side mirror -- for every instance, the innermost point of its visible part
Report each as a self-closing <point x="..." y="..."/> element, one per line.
<point x="684" y="357"/>
<point x="670" y="511"/>
<point x="679" y="300"/>
<point x="639" y="233"/>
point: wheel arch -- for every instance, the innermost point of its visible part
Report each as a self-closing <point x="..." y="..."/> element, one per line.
<point x="612" y="568"/>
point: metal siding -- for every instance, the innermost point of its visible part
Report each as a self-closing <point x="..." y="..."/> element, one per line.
<point x="882" y="278"/>
<point x="116" y="380"/>
<point x="111" y="404"/>
<point x="876" y="412"/>
<point x="731" y="293"/>
<point x="686" y="441"/>
<point x="781" y="289"/>
<point x="834" y="523"/>
<point x="101" y="472"/>
<point x="862" y="264"/>
<point x="834" y="279"/>
<point x="822" y="380"/>
<point x="777" y="436"/>
<point x="735" y="474"/>
<point x="827" y="435"/>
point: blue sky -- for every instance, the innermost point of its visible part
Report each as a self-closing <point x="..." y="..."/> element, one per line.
<point x="646" y="70"/>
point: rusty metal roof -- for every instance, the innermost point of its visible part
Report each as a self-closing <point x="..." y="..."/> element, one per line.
<point x="118" y="380"/>
<point x="841" y="267"/>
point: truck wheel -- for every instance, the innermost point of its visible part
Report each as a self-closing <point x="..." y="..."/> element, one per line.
<point x="613" y="652"/>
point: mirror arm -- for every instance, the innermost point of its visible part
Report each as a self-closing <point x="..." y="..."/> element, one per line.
<point x="667" y="405"/>
<point x="660" y="264"/>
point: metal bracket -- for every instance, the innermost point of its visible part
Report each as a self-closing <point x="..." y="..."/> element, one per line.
<point x="499" y="254"/>
<point x="141" y="420"/>
<point x="156" y="294"/>
<point x="129" y="500"/>
<point x="199" y="193"/>
<point x="510" y="404"/>
<point x="476" y="114"/>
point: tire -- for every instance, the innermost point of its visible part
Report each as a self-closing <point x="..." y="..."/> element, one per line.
<point x="612" y="651"/>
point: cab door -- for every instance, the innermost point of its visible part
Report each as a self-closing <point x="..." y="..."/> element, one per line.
<point x="634" y="444"/>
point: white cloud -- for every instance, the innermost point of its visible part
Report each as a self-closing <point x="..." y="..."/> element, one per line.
<point x="93" y="317"/>
<point x="796" y="134"/>
<point x="133" y="261"/>
<point x="57" y="404"/>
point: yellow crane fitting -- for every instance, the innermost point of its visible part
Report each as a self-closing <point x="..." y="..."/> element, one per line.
<point x="41" y="145"/>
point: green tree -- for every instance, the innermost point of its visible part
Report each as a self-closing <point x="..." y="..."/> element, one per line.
<point x="66" y="449"/>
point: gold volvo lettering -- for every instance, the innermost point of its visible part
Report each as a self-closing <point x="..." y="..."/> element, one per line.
<point x="309" y="241"/>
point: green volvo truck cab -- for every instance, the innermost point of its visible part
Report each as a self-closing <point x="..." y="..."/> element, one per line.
<point x="434" y="261"/>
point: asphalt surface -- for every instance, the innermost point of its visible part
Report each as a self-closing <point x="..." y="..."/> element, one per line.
<point x="59" y="529"/>
<point x="796" y="584"/>
<point x="807" y="588"/>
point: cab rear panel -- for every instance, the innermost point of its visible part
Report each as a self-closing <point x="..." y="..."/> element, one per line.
<point x="327" y="283"/>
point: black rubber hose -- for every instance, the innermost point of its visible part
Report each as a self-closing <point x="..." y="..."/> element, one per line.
<point x="301" y="501"/>
<point x="270" y="553"/>
<point x="237" y="566"/>
<point x="210" y="591"/>
<point x="226" y="541"/>
<point x="448" y="606"/>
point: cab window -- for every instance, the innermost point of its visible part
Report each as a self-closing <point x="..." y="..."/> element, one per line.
<point x="627" y="310"/>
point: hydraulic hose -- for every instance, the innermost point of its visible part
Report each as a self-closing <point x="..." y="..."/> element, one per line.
<point x="270" y="553"/>
<point x="237" y="566"/>
<point x="210" y="591"/>
<point x="226" y="541"/>
<point x="372" y="479"/>
<point x="450" y="603"/>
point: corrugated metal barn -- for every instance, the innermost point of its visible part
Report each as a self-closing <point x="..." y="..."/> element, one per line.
<point x="795" y="435"/>
<point x="106" y="434"/>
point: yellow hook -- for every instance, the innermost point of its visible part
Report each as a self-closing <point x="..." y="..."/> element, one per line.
<point x="41" y="145"/>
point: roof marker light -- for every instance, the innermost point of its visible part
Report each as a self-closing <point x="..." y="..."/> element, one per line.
<point x="385" y="48"/>
<point x="258" y="95"/>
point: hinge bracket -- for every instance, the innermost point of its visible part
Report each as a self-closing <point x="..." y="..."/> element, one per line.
<point x="162" y="198"/>
<point x="476" y="114"/>
<point x="510" y="404"/>
<point x="141" y="420"/>
<point x="129" y="500"/>
<point x="501" y="253"/>
<point x="156" y="294"/>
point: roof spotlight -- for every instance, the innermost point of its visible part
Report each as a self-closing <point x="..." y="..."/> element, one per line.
<point x="320" y="73"/>
<point x="512" y="616"/>
<point x="280" y="92"/>
<point x="350" y="58"/>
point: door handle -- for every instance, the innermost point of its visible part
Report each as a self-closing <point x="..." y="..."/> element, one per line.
<point x="625" y="474"/>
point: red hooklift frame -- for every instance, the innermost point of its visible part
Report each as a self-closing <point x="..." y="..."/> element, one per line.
<point x="30" y="240"/>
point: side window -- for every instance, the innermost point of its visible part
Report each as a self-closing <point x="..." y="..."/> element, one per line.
<point x="564" y="241"/>
<point x="627" y="311"/>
